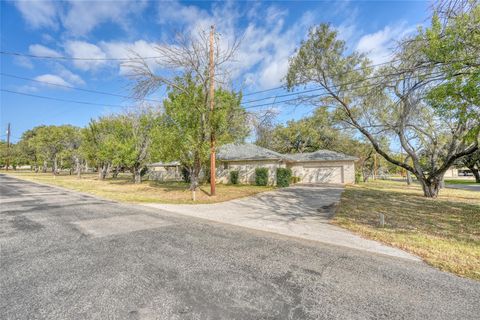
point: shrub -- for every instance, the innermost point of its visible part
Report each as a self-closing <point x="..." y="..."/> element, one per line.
<point x="261" y="176"/>
<point x="358" y="177"/>
<point x="295" y="179"/>
<point x="283" y="177"/>
<point x="234" y="177"/>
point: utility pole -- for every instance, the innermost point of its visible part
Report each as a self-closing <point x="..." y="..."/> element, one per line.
<point x="212" y="107"/>
<point x="8" y="145"/>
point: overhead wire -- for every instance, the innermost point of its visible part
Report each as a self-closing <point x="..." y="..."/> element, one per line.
<point x="74" y="88"/>
<point x="10" y="53"/>
<point x="61" y="99"/>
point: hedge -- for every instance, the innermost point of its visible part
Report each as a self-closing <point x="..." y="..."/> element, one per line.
<point x="283" y="177"/>
<point x="234" y="177"/>
<point x="261" y="176"/>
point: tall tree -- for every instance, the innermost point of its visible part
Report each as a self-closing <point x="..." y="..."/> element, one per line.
<point x="50" y="144"/>
<point x="384" y="103"/>
<point x="452" y="45"/>
<point x="472" y="162"/>
<point x="188" y="124"/>
<point x="184" y="65"/>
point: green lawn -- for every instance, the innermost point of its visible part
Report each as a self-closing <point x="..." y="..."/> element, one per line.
<point x="460" y="181"/>
<point x="445" y="231"/>
<point x="124" y="190"/>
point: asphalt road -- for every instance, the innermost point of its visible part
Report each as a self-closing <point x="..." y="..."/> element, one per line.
<point x="65" y="255"/>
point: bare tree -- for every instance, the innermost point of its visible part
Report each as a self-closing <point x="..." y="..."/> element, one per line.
<point x="187" y="58"/>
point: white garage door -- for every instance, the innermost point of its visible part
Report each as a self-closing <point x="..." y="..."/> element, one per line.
<point x="322" y="175"/>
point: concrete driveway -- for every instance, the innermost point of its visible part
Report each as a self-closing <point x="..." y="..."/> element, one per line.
<point x="301" y="211"/>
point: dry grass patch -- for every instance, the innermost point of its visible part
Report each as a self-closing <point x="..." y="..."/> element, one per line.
<point x="445" y="231"/>
<point x="124" y="190"/>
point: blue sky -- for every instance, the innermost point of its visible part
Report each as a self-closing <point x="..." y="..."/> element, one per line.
<point x="109" y="29"/>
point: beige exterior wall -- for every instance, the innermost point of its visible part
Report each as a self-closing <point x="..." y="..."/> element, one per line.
<point x="309" y="171"/>
<point x="451" y="173"/>
<point x="170" y="173"/>
<point x="246" y="170"/>
<point x="324" y="171"/>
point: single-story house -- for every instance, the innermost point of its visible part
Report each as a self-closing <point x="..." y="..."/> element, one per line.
<point x="322" y="166"/>
<point x="165" y="171"/>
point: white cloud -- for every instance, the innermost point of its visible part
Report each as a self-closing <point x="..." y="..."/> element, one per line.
<point x="39" y="50"/>
<point x="27" y="89"/>
<point x="52" y="79"/>
<point x="267" y="43"/>
<point x="78" y="17"/>
<point x="23" y="62"/>
<point x="68" y="75"/>
<point x="81" y="50"/>
<point x="38" y="13"/>
<point x="379" y="45"/>
<point x="83" y="16"/>
<point x="126" y="50"/>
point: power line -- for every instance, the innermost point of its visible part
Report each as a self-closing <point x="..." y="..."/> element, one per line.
<point x="74" y="88"/>
<point x="9" y="53"/>
<point x="327" y="94"/>
<point x="62" y="100"/>
<point x="318" y="89"/>
<point x="338" y="74"/>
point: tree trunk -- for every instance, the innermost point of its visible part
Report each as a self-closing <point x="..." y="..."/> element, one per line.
<point x="409" y="178"/>
<point x="78" y="168"/>
<point x="430" y="187"/>
<point x="103" y="171"/>
<point x="194" y="173"/>
<point x="55" y="166"/>
<point x="476" y="173"/>
<point x="137" y="177"/>
<point x="115" y="172"/>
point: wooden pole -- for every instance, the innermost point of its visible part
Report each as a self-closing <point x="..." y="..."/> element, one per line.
<point x="8" y="145"/>
<point x="212" y="107"/>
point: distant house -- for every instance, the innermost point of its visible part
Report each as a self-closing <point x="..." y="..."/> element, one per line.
<point x="165" y="171"/>
<point x="322" y="166"/>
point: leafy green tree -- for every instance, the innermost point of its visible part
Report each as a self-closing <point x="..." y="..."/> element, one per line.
<point x="48" y="145"/>
<point x="472" y="162"/>
<point x="101" y="144"/>
<point x="4" y="154"/>
<point x="384" y="104"/>
<point x="189" y="93"/>
<point x="452" y="46"/>
<point x="189" y="123"/>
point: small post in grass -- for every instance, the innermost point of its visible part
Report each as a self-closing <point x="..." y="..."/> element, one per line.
<point x="381" y="217"/>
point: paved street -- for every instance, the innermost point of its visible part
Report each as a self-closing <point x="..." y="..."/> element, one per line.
<point x="65" y="255"/>
<point x="471" y="187"/>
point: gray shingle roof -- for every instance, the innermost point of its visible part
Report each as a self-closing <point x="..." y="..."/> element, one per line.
<point x="164" y="164"/>
<point x="246" y="151"/>
<point x="320" y="155"/>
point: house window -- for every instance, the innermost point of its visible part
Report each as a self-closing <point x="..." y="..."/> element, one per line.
<point x="225" y="166"/>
